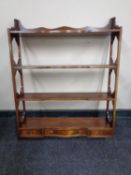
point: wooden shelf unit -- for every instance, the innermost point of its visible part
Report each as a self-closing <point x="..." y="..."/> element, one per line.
<point x="94" y="127"/>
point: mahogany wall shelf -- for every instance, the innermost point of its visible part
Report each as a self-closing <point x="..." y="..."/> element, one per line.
<point x="95" y="127"/>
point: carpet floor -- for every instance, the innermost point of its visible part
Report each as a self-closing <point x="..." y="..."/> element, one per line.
<point x="77" y="156"/>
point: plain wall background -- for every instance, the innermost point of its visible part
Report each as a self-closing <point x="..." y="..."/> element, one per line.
<point x="75" y="13"/>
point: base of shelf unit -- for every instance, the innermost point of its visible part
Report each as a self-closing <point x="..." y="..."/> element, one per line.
<point x="95" y="127"/>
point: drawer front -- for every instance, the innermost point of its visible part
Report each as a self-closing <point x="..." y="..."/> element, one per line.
<point x="100" y="133"/>
<point x="66" y="132"/>
<point x="31" y="133"/>
<point x="39" y="133"/>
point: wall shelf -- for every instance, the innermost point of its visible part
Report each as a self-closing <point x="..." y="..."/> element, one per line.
<point x="93" y="127"/>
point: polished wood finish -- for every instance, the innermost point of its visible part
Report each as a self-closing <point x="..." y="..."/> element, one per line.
<point x="95" y="127"/>
<point x="65" y="127"/>
<point x="64" y="30"/>
<point x="65" y="96"/>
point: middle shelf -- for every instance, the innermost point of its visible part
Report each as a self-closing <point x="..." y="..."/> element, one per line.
<point x="108" y="66"/>
<point x="98" y="96"/>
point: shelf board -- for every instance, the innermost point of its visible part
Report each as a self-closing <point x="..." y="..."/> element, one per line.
<point x="67" y="32"/>
<point x="19" y="29"/>
<point x="98" y="96"/>
<point x="65" y="127"/>
<point x="64" y="122"/>
<point x="65" y="67"/>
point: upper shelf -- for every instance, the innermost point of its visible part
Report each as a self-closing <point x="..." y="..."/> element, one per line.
<point x="18" y="28"/>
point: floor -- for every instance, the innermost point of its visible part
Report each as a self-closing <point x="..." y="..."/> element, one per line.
<point x="78" y="156"/>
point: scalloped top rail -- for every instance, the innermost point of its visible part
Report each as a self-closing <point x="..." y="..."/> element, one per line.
<point x="18" y="28"/>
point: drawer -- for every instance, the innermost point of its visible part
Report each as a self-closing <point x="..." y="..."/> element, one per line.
<point x="31" y="133"/>
<point x="100" y="133"/>
<point x="66" y="132"/>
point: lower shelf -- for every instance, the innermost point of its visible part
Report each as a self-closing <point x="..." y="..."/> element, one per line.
<point x="65" y="127"/>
